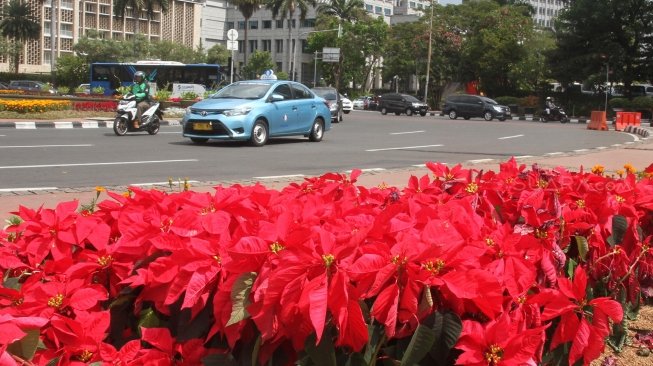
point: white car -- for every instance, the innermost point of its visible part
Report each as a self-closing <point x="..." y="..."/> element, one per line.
<point x="359" y="103"/>
<point x="347" y="105"/>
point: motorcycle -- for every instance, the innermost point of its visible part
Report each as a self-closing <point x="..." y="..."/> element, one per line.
<point x="126" y="113"/>
<point x="556" y="115"/>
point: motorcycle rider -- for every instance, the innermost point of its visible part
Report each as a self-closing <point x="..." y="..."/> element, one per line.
<point x="549" y="106"/>
<point x="141" y="90"/>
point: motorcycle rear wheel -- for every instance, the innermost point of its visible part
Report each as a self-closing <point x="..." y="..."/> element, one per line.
<point x="120" y="126"/>
<point x="154" y="126"/>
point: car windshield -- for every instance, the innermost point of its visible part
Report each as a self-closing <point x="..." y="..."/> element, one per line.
<point x="243" y="91"/>
<point x="412" y="99"/>
<point x="490" y="101"/>
<point x="325" y="93"/>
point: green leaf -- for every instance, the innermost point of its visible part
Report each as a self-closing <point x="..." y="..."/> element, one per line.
<point x="571" y="267"/>
<point x="619" y="227"/>
<point x="148" y="319"/>
<point x="376" y="337"/>
<point x="240" y="297"/>
<point x="426" y="302"/>
<point x="12" y="283"/>
<point x="324" y="354"/>
<point x="583" y="246"/>
<point x="420" y="345"/>
<point x="447" y="327"/>
<point x="26" y="346"/>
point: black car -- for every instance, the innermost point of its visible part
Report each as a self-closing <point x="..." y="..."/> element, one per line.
<point x="333" y="100"/>
<point x="401" y="103"/>
<point x="468" y="106"/>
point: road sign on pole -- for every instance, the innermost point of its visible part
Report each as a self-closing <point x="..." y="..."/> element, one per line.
<point x="330" y="54"/>
<point x="232" y="44"/>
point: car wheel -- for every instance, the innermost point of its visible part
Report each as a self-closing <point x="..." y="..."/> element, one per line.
<point x="340" y="116"/>
<point x="384" y="111"/>
<point x="317" y="131"/>
<point x="120" y="126"/>
<point x="397" y="113"/>
<point x="259" y="133"/>
<point x="502" y="119"/>
<point x="467" y="117"/>
<point x="422" y="114"/>
<point x="409" y="112"/>
<point x="453" y="114"/>
<point x="199" y="140"/>
<point x="488" y="116"/>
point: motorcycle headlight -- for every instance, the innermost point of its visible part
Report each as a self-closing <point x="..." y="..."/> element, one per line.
<point x="496" y="108"/>
<point x="237" y="111"/>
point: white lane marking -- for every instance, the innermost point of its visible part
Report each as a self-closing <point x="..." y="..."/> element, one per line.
<point x="27" y="189"/>
<point x="280" y="176"/>
<point x="616" y="145"/>
<point x="635" y="137"/>
<point x="601" y="148"/>
<point x="369" y="170"/>
<point x="63" y="124"/>
<point x="420" y="165"/>
<point x="480" y="161"/>
<point x="581" y="150"/>
<point x="404" y="133"/>
<point x="523" y="156"/>
<point x="27" y="146"/>
<point x="3" y="135"/>
<point x="629" y="142"/>
<point x="509" y="137"/>
<point x="403" y="148"/>
<point x="98" y="164"/>
<point x="553" y="153"/>
<point x="174" y="183"/>
<point x="25" y="125"/>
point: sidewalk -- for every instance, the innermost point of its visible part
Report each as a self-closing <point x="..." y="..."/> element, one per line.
<point x="638" y="154"/>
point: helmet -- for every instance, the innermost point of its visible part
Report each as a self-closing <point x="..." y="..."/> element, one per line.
<point x="549" y="98"/>
<point x="139" y="76"/>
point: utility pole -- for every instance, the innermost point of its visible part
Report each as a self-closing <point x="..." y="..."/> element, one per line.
<point x="53" y="35"/>
<point x="428" y="57"/>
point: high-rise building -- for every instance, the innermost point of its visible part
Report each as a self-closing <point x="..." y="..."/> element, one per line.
<point x="75" y="18"/>
<point x="546" y="11"/>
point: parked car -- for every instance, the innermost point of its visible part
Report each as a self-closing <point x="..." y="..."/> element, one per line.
<point x="332" y="97"/>
<point x="360" y="103"/>
<point x="255" y="110"/>
<point x="4" y="86"/>
<point x="401" y="103"/>
<point x="347" y="105"/>
<point x="29" y="85"/>
<point x="468" y="106"/>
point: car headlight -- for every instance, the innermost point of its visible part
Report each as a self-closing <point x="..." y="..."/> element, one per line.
<point x="237" y="112"/>
<point x="496" y="108"/>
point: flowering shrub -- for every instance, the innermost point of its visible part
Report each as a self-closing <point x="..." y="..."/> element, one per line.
<point x="512" y="267"/>
<point x="11" y="91"/>
<point x="33" y="105"/>
<point x="97" y="106"/>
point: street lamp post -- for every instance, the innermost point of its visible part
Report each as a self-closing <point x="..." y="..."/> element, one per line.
<point x="294" y="50"/>
<point x="607" y="85"/>
<point x="428" y="57"/>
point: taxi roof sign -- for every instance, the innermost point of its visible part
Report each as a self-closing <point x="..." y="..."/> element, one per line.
<point x="268" y="75"/>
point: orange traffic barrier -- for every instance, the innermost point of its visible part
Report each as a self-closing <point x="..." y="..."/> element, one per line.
<point x="627" y="119"/>
<point x="597" y="121"/>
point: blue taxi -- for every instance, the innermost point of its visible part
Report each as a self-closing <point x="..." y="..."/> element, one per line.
<point x="256" y="110"/>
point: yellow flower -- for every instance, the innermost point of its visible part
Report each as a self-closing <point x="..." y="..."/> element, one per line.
<point x="630" y="169"/>
<point x="598" y="169"/>
<point x="620" y="173"/>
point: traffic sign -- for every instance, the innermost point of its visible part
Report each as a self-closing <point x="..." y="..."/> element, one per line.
<point x="232" y="45"/>
<point x="232" y="34"/>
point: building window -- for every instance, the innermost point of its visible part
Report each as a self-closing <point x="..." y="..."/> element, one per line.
<point x="412" y="5"/>
<point x="378" y="10"/>
<point x="278" y="45"/>
<point x="308" y="23"/>
<point x="230" y="25"/>
<point x="267" y="45"/>
<point x="369" y="8"/>
<point x="279" y="65"/>
<point x="105" y="10"/>
<point x="253" y="24"/>
<point x="253" y="45"/>
<point x="66" y="30"/>
<point x="267" y="24"/>
<point x="305" y="46"/>
<point x="293" y="22"/>
<point x="241" y="24"/>
<point x="387" y="11"/>
<point x="66" y="4"/>
<point x="280" y="23"/>
<point x="241" y="48"/>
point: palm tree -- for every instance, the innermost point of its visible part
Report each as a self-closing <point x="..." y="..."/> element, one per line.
<point x="19" y="25"/>
<point x="345" y="10"/>
<point x="247" y="9"/>
<point x="286" y="9"/>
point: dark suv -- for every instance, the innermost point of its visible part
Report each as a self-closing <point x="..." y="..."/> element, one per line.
<point x="467" y="106"/>
<point x="401" y="103"/>
<point x="333" y="100"/>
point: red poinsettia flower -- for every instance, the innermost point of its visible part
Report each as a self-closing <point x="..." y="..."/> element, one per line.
<point x="499" y="342"/>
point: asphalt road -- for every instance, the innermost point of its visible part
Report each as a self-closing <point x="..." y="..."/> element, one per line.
<point x="48" y="158"/>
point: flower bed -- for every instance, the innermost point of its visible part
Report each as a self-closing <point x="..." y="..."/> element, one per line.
<point x="33" y="105"/>
<point x="501" y="268"/>
<point x="96" y="106"/>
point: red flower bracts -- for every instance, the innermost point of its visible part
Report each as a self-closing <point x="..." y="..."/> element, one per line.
<point x="460" y="267"/>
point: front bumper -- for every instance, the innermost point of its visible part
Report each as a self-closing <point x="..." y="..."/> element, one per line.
<point x="214" y="128"/>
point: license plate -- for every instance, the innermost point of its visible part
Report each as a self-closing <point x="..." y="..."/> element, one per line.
<point x="204" y="126"/>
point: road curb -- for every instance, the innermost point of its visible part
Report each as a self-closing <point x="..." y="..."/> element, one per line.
<point x="31" y="125"/>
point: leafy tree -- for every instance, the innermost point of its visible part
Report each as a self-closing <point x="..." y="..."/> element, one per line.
<point x="404" y="39"/>
<point x="18" y="24"/>
<point x="286" y="9"/>
<point x="259" y="62"/>
<point x="92" y="48"/>
<point x="591" y="34"/>
<point x="171" y="51"/>
<point x="218" y="54"/>
<point x="247" y="9"/>
<point x="71" y="71"/>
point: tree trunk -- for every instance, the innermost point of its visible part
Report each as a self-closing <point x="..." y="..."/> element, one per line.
<point x="245" y="43"/>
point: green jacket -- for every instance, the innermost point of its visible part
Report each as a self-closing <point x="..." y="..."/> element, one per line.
<point x="141" y="91"/>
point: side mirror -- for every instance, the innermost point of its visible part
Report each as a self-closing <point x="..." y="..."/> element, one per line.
<point x="276" y="97"/>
